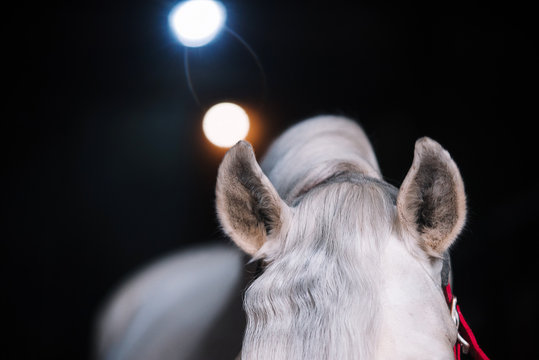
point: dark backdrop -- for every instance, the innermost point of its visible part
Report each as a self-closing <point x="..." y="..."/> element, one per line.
<point x="105" y="167"/>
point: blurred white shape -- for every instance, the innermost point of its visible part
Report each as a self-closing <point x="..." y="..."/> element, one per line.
<point x="196" y="22"/>
<point x="225" y="124"/>
<point x="167" y="310"/>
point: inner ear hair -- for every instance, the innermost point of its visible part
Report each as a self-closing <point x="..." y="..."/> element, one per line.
<point x="260" y="198"/>
<point x="431" y="201"/>
<point x="248" y="206"/>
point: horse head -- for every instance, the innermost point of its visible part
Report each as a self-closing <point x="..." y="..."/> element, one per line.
<point x="352" y="265"/>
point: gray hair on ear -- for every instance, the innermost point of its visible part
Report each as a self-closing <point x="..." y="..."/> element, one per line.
<point x="248" y="206"/>
<point x="431" y="203"/>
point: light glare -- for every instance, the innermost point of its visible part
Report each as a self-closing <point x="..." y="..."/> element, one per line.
<point x="195" y="23"/>
<point x="225" y="124"/>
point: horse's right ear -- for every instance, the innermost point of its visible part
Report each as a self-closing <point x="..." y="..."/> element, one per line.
<point x="248" y="206"/>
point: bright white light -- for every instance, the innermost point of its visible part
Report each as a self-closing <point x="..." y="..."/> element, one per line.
<point x="225" y="124"/>
<point x="197" y="22"/>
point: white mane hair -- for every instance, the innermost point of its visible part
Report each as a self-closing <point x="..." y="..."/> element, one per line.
<point x="324" y="282"/>
<point x="331" y="267"/>
<point x="352" y="265"/>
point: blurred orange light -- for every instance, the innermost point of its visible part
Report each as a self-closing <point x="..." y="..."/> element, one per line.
<point x="225" y="124"/>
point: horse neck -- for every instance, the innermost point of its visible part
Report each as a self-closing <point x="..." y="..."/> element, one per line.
<point x="415" y="321"/>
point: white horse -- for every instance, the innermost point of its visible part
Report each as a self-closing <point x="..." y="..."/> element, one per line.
<point x="352" y="265"/>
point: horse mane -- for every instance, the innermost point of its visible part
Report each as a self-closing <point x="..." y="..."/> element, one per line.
<point x="330" y="255"/>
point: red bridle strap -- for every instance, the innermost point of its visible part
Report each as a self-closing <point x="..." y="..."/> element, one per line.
<point x="465" y="331"/>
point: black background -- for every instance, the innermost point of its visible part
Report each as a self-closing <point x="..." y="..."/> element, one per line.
<point x="105" y="167"/>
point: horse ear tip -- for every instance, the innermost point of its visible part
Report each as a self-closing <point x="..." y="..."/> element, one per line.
<point x="241" y="148"/>
<point x="426" y="142"/>
<point x="426" y="145"/>
<point x="243" y="144"/>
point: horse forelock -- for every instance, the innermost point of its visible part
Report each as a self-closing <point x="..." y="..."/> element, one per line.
<point x="318" y="297"/>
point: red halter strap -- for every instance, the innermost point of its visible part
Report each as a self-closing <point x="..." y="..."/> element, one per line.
<point x="465" y="331"/>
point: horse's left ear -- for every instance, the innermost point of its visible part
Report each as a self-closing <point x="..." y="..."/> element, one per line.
<point x="249" y="208"/>
<point x="431" y="203"/>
